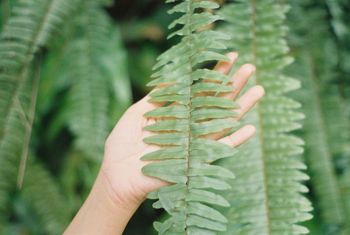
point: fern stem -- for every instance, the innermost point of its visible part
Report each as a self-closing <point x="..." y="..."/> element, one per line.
<point x="259" y="118"/>
<point x="189" y="108"/>
<point x="28" y="127"/>
<point x="325" y="166"/>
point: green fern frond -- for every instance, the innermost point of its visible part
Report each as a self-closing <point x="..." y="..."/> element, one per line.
<point x="327" y="125"/>
<point x="42" y="193"/>
<point x="96" y="76"/>
<point x="339" y="25"/>
<point x="339" y="18"/>
<point x="14" y="146"/>
<point x="185" y="157"/>
<point x="266" y="194"/>
<point x="321" y="149"/>
<point x="28" y="29"/>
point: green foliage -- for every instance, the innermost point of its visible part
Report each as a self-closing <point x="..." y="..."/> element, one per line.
<point x="43" y="194"/>
<point x="12" y="147"/>
<point x="28" y="29"/>
<point x="33" y="61"/>
<point x="93" y="70"/>
<point x="326" y="126"/>
<point x="266" y="194"/>
<point x="64" y="81"/>
<point x="184" y="121"/>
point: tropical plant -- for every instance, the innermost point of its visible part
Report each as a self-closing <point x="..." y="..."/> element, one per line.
<point x="29" y="29"/>
<point x="326" y="125"/>
<point x="184" y="121"/>
<point x="41" y="59"/>
<point x="266" y="194"/>
<point x="65" y="80"/>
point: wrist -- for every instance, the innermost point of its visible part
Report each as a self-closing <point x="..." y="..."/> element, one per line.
<point x="101" y="213"/>
<point x="112" y="197"/>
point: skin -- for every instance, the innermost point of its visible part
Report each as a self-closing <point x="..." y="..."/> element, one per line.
<point x="121" y="187"/>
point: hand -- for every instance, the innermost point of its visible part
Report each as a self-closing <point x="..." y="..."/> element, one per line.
<point x="124" y="147"/>
<point x="120" y="186"/>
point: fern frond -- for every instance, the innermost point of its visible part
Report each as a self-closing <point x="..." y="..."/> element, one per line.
<point x="339" y="19"/>
<point x="327" y="125"/>
<point x="185" y="157"/>
<point x="15" y="144"/>
<point x="28" y="29"/>
<point x="95" y="75"/>
<point x="266" y="194"/>
<point x="42" y="194"/>
<point x="322" y="150"/>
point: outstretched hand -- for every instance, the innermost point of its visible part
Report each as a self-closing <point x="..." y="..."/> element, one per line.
<point x="120" y="186"/>
<point x="124" y="147"/>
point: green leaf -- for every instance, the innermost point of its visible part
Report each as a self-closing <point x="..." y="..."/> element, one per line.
<point x="265" y="194"/>
<point x="207" y="101"/>
<point x="167" y="139"/>
<point x="165" y="153"/>
<point x="213" y="126"/>
<point x="169" y="170"/>
<point x="181" y="125"/>
<point x="193" y="109"/>
<point x="202" y="210"/>
<point x="178" y="111"/>
<point x="198" y="195"/>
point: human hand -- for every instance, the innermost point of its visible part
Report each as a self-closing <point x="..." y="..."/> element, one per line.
<point x="121" y="168"/>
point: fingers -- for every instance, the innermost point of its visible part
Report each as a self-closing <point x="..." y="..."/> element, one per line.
<point x="240" y="136"/>
<point x="225" y="66"/>
<point x="222" y="66"/>
<point x="240" y="79"/>
<point x="249" y="99"/>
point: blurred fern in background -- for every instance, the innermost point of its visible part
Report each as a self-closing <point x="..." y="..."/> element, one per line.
<point x="321" y="70"/>
<point x="52" y="49"/>
<point x="266" y="194"/>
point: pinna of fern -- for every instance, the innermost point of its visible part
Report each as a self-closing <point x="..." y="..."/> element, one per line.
<point x="266" y="194"/>
<point x="185" y="157"/>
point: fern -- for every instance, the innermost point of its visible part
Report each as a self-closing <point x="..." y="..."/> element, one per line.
<point x="266" y="194"/>
<point x="339" y="19"/>
<point x="94" y="57"/>
<point x="27" y="30"/>
<point x="324" y="153"/>
<point x="185" y="156"/>
<point x="41" y="192"/>
<point x="326" y="125"/>
<point x="13" y="147"/>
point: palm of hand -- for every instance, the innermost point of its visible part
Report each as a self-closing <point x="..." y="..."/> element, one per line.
<point x="123" y="150"/>
<point x="124" y="147"/>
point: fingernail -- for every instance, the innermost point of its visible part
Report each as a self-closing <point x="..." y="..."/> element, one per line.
<point x="233" y="56"/>
<point x="252" y="68"/>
